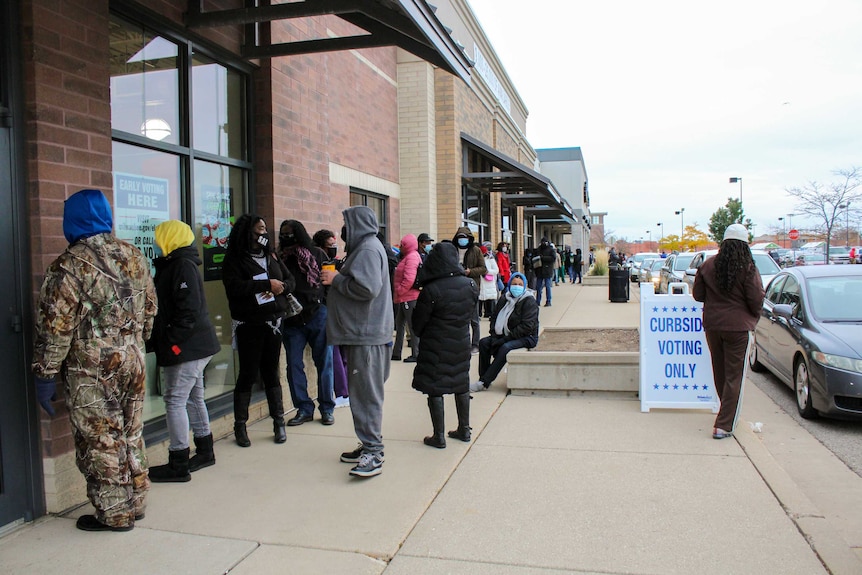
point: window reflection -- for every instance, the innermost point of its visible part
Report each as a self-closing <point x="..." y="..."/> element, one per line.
<point x="144" y="83"/>
<point x="217" y="96"/>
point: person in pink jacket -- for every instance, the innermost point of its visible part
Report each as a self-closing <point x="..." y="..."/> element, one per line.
<point x="405" y="296"/>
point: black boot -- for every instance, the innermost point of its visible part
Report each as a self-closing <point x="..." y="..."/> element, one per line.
<point x="241" y="401"/>
<point x="204" y="455"/>
<point x="462" y="405"/>
<point x="241" y="434"/>
<point x="175" y="471"/>
<point x="435" y="406"/>
<point x="274" y="398"/>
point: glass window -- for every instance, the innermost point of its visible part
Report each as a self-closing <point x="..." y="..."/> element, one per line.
<point x="476" y="212"/>
<point x="378" y="203"/>
<point x="160" y="177"/>
<point x="145" y="93"/>
<point x="774" y="291"/>
<point x="218" y="108"/>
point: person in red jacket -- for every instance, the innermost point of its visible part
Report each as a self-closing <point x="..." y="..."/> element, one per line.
<point x="503" y="262"/>
<point x="731" y="290"/>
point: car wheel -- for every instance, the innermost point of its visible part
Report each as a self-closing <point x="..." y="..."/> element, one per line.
<point x="753" y="363"/>
<point x="801" y="384"/>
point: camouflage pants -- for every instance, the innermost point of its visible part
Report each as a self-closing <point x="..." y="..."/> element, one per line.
<point x="105" y="397"/>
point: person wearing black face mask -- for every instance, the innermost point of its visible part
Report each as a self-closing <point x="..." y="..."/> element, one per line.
<point x="473" y="263"/>
<point x="256" y="283"/>
<point x="305" y="261"/>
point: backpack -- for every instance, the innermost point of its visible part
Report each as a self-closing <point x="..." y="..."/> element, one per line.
<point x="417" y="283"/>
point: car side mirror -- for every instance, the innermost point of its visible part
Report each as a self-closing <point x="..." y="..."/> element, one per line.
<point x="784" y="310"/>
<point x="691" y="272"/>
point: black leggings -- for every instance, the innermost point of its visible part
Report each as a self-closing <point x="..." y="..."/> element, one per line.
<point x="258" y="348"/>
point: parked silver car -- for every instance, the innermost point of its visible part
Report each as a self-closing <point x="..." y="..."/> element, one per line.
<point x="810" y="336"/>
<point x="762" y="260"/>
<point x="635" y="262"/>
<point x="673" y="269"/>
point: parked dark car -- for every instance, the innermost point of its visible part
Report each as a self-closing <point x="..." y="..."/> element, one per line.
<point x="810" y="336"/>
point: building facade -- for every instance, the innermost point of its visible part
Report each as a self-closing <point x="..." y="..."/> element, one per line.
<point x="202" y="111"/>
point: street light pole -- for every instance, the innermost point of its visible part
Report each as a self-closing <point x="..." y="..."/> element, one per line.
<point x="846" y="208"/>
<point x="783" y="238"/>
<point x="790" y="225"/>
<point x="681" y="224"/>
<point x="735" y="180"/>
<point x="662" y="234"/>
<point x="649" y="238"/>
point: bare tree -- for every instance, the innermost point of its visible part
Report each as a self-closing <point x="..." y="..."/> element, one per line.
<point x="827" y="203"/>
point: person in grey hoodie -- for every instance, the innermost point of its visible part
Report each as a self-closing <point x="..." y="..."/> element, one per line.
<point x="360" y="320"/>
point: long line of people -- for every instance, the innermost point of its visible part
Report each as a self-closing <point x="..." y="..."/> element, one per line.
<point x="290" y="294"/>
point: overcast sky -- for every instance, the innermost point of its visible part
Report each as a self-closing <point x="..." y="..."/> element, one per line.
<point x="669" y="99"/>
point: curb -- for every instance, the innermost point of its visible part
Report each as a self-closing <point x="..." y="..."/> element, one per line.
<point x="832" y="550"/>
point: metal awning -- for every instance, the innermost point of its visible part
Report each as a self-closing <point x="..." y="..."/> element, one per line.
<point x="518" y="184"/>
<point x="408" y="24"/>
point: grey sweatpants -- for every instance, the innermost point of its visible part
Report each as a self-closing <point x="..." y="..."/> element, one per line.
<point x="367" y="371"/>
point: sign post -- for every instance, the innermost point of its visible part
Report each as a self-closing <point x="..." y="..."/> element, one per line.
<point x="676" y="368"/>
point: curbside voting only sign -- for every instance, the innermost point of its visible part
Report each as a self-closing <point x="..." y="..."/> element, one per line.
<point x="675" y="365"/>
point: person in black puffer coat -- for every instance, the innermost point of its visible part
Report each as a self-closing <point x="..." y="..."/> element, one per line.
<point x="442" y="320"/>
<point x="184" y="341"/>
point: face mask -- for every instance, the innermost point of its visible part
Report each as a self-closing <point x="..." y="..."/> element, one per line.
<point x="344" y="234"/>
<point x="263" y="240"/>
<point x="157" y="251"/>
<point x="516" y="291"/>
<point x="428" y="249"/>
<point x="331" y="253"/>
<point x="505" y="250"/>
<point x="462" y="242"/>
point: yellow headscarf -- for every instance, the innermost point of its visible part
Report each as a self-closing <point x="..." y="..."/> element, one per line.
<point x="173" y="234"/>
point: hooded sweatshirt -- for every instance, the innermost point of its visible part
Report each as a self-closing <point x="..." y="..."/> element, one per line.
<point x="85" y="214"/>
<point x="182" y="331"/>
<point x="408" y="267"/>
<point x="360" y="300"/>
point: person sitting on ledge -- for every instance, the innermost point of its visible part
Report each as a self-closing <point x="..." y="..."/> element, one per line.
<point x="514" y="325"/>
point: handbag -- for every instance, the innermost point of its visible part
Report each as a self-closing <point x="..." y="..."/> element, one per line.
<point x="417" y="283"/>
<point x="537" y="262"/>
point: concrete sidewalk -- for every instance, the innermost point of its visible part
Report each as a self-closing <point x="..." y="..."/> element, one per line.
<point x="586" y="484"/>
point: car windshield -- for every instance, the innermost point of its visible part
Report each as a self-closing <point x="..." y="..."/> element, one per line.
<point x="836" y="299"/>
<point x="682" y="261"/>
<point x="637" y="258"/>
<point x="765" y="264"/>
<point x="656" y="265"/>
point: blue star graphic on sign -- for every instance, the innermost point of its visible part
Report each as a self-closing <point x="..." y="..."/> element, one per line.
<point x="655" y="309"/>
<point x="693" y="309"/>
<point x="666" y="386"/>
<point x="674" y="308"/>
<point x="655" y="386"/>
<point x="684" y="308"/>
<point x="685" y="386"/>
<point x="694" y="387"/>
<point x="664" y="308"/>
<point x="704" y="388"/>
<point x="676" y="386"/>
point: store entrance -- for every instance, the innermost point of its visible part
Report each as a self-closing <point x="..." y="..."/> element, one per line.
<point x="17" y="428"/>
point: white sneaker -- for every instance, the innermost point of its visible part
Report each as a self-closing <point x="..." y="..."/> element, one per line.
<point x="342" y="402"/>
<point x="478" y="386"/>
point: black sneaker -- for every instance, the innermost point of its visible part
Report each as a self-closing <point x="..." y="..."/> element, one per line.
<point x="369" y="465"/>
<point x="355" y="455"/>
<point x="90" y="523"/>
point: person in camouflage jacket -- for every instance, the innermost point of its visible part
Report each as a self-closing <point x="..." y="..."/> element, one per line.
<point x="96" y="308"/>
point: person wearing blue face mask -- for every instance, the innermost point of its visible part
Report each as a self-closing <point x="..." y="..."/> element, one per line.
<point x="426" y="242"/>
<point x="514" y="325"/>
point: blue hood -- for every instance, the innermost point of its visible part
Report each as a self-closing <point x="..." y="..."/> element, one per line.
<point x="86" y="213"/>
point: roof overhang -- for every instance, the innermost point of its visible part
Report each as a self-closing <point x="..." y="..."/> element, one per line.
<point x="518" y="184"/>
<point x="408" y="24"/>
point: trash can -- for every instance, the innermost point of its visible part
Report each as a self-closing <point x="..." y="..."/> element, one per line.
<point x="618" y="284"/>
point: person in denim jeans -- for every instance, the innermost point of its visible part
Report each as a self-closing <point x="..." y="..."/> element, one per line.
<point x="546" y="273"/>
<point x="304" y="260"/>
